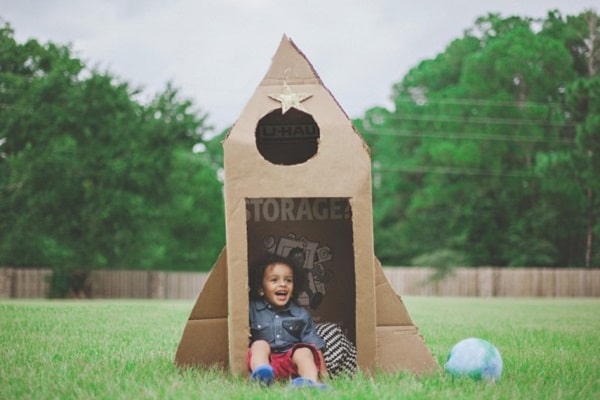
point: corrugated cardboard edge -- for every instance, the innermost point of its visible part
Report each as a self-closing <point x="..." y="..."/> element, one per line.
<point x="204" y="340"/>
<point x="400" y="347"/>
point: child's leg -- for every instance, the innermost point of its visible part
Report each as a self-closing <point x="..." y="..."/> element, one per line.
<point x="260" y="352"/>
<point x="305" y="363"/>
<point x="262" y="371"/>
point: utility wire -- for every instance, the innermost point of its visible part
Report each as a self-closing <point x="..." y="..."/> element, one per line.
<point x="480" y="120"/>
<point x="456" y="171"/>
<point x="498" y="103"/>
<point x="470" y="136"/>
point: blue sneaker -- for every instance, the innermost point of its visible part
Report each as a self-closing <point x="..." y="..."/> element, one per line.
<point x="307" y="383"/>
<point x="263" y="374"/>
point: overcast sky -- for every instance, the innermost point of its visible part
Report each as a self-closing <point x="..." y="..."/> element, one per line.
<point x="217" y="51"/>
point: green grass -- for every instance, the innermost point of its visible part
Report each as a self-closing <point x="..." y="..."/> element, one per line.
<point x="125" y="349"/>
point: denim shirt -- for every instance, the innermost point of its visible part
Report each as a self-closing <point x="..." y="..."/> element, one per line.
<point x="282" y="328"/>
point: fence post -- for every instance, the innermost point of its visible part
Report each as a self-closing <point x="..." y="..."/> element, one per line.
<point x="156" y="283"/>
<point x="5" y="282"/>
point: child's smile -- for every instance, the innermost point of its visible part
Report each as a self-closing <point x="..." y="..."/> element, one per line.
<point x="278" y="284"/>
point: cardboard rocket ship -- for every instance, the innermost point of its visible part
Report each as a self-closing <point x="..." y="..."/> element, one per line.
<point x="298" y="183"/>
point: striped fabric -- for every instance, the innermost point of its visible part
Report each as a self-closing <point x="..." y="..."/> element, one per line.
<point x="340" y="353"/>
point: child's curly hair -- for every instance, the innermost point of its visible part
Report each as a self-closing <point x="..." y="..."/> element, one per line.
<point x="257" y="271"/>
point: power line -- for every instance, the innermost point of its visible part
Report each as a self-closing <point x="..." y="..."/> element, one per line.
<point x="470" y="136"/>
<point x="456" y="171"/>
<point x="498" y="103"/>
<point x="480" y="120"/>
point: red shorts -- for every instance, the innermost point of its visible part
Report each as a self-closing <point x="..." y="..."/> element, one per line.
<point x="282" y="363"/>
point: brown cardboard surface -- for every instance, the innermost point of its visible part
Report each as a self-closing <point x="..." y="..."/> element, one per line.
<point x="212" y="301"/>
<point x="298" y="178"/>
<point x="401" y="348"/>
<point x="390" y="308"/>
<point x="202" y="343"/>
<point x="204" y="339"/>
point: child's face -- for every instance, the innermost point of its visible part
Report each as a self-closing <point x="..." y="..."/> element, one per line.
<point x="278" y="284"/>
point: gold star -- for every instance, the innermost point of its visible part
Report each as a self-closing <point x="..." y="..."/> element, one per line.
<point x="289" y="99"/>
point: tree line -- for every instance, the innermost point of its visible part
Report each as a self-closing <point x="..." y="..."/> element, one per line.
<point x="491" y="153"/>
<point x="90" y="177"/>
<point x="490" y="156"/>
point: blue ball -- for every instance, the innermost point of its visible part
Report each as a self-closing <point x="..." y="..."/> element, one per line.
<point x="475" y="358"/>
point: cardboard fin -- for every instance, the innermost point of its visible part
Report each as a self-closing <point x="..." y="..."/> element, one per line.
<point x="390" y="308"/>
<point x="212" y="300"/>
<point x="204" y="340"/>
<point x="401" y="348"/>
<point x="204" y="343"/>
<point x="399" y="345"/>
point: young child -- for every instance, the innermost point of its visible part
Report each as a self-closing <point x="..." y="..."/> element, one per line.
<point x="283" y="340"/>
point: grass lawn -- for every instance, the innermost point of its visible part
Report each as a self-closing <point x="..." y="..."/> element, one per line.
<point x="121" y="349"/>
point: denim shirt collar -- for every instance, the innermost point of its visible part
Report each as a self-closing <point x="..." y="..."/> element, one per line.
<point x="262" y="304"/>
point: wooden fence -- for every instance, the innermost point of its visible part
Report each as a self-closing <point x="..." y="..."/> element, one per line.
<point x="483" y="282"/>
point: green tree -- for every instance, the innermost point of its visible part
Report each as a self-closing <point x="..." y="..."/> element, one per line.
<point x="89" y="177"/>
<point x="572" y="172"/>
<point x="466" y="163"/>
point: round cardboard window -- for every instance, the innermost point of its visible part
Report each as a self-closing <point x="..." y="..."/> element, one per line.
<point x="287" y="139"/>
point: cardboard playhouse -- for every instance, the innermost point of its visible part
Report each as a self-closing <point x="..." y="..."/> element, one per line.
<point x="298" y="183"/>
